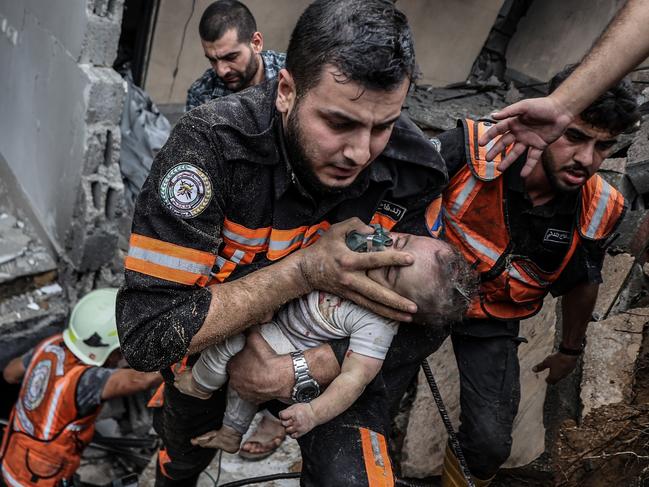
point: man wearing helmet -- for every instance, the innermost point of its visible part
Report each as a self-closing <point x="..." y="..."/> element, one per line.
<point x="65" y="380"/>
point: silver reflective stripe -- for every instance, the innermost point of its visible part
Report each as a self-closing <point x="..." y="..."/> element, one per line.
<point x="277" y="245"/>
<point x="376" y="449"/>
<point x="490" y="173"/>
<point x="12" y="481"/>
<point x="167" y="261"/>
<point x="512" y="271"/>
<point x="52" y="410"/>
<point x="220" y="262"/>
<point x="237" y="256"/>
<point x="599" y="211"/>
<point x="464" y="194"/>
<point x="25" y="424"/>
<point x="253" y="242"/>
<point x="60" y="357"/>
<point x="484" y="250"/>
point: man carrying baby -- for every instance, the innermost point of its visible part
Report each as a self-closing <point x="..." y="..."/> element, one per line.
<point x="440" y="282"/>
<point x="247" y="207"/>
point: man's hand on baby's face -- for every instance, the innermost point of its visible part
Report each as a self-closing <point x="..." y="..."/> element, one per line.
<point x="329" y="265"/>
<point x="298" y="419"/>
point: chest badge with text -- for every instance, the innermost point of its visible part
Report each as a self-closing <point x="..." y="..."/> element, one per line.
<point x="557" y="236"/>
<point x="388" y="214"/>
<point x="186" y="190"/>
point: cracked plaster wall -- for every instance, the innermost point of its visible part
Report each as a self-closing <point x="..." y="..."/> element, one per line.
<point x="58" y="94"/>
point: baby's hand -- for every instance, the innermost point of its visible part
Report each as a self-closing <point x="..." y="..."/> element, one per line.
<point x="185" y="383"/>
<point x="298" y="419"/>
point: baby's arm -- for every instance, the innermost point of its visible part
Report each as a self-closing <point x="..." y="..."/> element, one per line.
<point x="357" y="371"/>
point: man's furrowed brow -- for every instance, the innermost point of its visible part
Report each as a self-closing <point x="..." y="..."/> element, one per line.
<point x="339" y="116"/>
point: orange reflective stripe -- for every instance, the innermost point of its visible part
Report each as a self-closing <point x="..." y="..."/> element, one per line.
<point x="172" y="250"/>
<point x="157" y="399"/>
<point x="483" y="169"/>
<point x="251" y="239"/>
<point x="163" y="272"/>
<point x="377" y="460"/>
<point x="169" y="261"/>
<point x="434" y="217"/>
<point x="386" y="222"/>
<point x="601" y="208"/>
<point x="163" y="459"/>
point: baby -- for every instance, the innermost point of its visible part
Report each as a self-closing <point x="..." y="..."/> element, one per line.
<point x="439" y="282"/>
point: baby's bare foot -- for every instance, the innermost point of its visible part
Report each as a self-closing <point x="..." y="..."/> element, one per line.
<point x="226" y="439"/>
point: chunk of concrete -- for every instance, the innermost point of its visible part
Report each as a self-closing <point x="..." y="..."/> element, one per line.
<point x="609" y="359"/>
<point x="423" y="449"/>
<point x="615" y="273"/>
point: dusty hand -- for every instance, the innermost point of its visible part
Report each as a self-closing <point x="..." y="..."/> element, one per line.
<point x="328" y="265"/>
<point x="529" y="124"/>
<point x="298" y="419"/>
<point x="560" y="366"/>
<point x="259" y="374"/>
<point x="185" y="383"/>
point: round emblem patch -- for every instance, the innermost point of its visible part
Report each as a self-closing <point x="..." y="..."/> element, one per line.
<point x="37" y="386"/>
<point x="186" y="190"/>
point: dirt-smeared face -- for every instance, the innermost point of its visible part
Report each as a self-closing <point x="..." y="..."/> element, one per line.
<point x="577" y="155"/>
<point x="337" y="128"/>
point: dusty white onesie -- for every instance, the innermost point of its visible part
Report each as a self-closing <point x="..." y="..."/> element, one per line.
<point x="303" y="323"/>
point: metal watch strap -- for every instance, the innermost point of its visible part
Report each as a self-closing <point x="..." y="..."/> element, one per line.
<point x="300" y="367"/>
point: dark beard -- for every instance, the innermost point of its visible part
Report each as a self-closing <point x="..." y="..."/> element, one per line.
<point x="247" y="75"/>
<point x="557" y="187"/>
<point x="299" y="161"/>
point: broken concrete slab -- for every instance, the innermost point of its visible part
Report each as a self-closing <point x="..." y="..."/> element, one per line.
<point x="609" y="359"/>
<point x="423" y="448"/>
<point x="438" y="109"/>
<point x="24" y="261"/>
<point x="615" y="272"/>
<point x="29" y="317"/>
<point x="633" y="233"/>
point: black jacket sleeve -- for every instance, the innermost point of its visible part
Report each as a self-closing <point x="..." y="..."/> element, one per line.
<point x="157" y="317"/>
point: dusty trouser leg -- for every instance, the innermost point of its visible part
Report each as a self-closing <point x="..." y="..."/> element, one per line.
<point x="180" y="419"/>
<point x="351" y="449"/>
<point x="487" y="359"/>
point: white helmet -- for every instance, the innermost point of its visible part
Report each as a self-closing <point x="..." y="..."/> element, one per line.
<point x="92" y="333"/>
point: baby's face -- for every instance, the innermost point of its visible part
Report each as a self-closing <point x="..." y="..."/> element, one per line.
<point x="407" y="281"/>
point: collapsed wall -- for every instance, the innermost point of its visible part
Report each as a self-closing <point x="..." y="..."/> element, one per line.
<point x="60" y="137"/>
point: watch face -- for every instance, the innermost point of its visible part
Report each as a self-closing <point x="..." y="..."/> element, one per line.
<point x="306" y="392"/>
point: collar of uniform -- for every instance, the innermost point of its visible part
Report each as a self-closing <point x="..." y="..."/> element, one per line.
<point x="562" y="203"/>
<point x="247" y="130"/>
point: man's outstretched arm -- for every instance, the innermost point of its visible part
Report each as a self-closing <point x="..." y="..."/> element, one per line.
<point x="535" y="123"/>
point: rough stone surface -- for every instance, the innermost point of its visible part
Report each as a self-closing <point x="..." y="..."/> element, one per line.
<point x="21" y="252"/>
<point x="609" y="359"/>
<point x="614" y="273"/>
<point x="99" y="46"/>
<point x="425" y="441"/>
<point x="437" y="109"/>
<point x="27" y="318"/>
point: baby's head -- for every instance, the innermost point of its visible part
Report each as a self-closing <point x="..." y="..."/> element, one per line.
<point x="439" y="281"/>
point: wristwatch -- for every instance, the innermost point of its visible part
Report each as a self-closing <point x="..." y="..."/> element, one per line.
<point x="306" y="388"/>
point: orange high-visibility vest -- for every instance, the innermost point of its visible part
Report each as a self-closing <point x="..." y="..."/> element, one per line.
<point x="512" y="286"/>
<point x="45" y="435"/>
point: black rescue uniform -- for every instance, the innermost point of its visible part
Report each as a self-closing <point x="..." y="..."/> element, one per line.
<point x="221" y="201"/>
<point x="486" y="349"/>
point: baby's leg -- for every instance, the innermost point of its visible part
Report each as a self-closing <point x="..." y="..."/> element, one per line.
<point x="210" y="369"/>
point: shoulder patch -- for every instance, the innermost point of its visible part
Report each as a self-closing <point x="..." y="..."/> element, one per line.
<point x="38" y="380"/>
<point x="186" y="190"/>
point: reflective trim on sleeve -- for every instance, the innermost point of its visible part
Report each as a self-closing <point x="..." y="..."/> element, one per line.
<point x="377" y="461"/>
<point x="253" y="239"/>
<point x="434" y="222"/>
<point x="169" y="261"/>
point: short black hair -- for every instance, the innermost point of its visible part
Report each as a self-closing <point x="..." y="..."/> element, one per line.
<point x="368" y="41"/>
<point x="616" y="110"/>
<point x="223" y="15"/>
